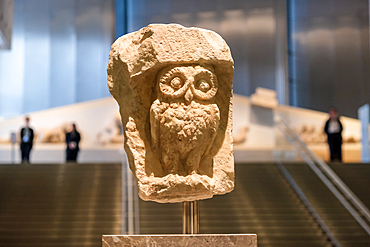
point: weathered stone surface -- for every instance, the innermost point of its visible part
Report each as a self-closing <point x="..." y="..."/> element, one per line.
<point x="174" y="88"/>
<point x="211" y="240"/>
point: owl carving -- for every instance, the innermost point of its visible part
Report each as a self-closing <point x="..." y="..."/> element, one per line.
<point x="184" y="117"/>
<point x="173" y="85"/>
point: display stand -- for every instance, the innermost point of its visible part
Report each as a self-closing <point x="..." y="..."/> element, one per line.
<point x="190" y="236"/>
<point x="180" y="240"/>
<point x="190" y="217"/>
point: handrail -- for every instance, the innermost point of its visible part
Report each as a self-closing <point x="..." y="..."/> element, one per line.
<point x="331" y="174"/>
<point x="308" y="204"/>
<point x="310" y="159"/>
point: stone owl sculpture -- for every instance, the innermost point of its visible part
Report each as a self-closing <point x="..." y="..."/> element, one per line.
<point x="184" y="119"/>
<point x="174" y="88"/>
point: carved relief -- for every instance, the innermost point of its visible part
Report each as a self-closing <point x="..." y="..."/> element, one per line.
<point x="174" y="88"/>
<point x="184" y="119"/>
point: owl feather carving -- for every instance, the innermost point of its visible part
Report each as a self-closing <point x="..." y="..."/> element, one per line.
<point x="184" y="118"/>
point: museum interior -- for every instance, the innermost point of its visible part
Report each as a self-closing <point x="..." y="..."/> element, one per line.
<point x="75" y="162"/>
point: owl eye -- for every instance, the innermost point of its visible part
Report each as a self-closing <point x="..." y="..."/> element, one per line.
<point x="173" y="82"/>
<point x="176" y="83"/>
<point x="205" y="86"/>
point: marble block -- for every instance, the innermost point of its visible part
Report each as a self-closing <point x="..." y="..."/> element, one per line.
<point x="265" y="98"/>
<point x="211" y="240"/>
<point x="174" y="88"/>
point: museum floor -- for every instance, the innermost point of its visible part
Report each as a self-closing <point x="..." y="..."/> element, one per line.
<point x="74" y="204"/>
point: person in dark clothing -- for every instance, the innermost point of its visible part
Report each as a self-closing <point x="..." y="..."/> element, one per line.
<point x="72" y="139"/>
<point x="26" y="141"/>
<point x="333" y="129"/>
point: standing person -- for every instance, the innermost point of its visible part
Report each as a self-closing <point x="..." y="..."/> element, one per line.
<point x="26" y="141"/>
<point x="72" y="139"/>
<point x="333" y="129"/>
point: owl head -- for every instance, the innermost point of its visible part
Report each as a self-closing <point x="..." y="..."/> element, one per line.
<point x="187" y="82"/>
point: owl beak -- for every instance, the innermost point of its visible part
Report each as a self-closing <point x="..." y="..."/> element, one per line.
<point x="188" y="96"/>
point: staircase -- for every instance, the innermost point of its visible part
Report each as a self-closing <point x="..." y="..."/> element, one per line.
<point x="263" y="203"/>
<point x="160" y="218"/>
<point x="74" y="204"/>
<point x="337" y="218"/>
<point x="59" y="205"/>
<point x="356" y="177"/>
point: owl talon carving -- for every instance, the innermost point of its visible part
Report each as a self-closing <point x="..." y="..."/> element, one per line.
<point x="193" y="172"/>
<point x="168" y="168"/>
<point x="184" y="118"/>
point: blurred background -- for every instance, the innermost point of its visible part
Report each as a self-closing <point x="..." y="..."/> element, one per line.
<point x="294" y="60"/>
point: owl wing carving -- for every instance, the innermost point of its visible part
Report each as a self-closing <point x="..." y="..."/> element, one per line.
<point x="155" y="112"/>
<point x="182" y="135"/>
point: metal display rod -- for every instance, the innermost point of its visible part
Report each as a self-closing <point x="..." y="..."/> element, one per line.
<point x="190" y="217"/>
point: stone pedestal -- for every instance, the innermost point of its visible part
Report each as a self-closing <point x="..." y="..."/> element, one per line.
<point x="212" y="240"/>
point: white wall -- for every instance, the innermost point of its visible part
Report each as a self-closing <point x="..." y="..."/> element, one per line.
<point x="59" y="54"/>
<point x="90" y="117"/>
